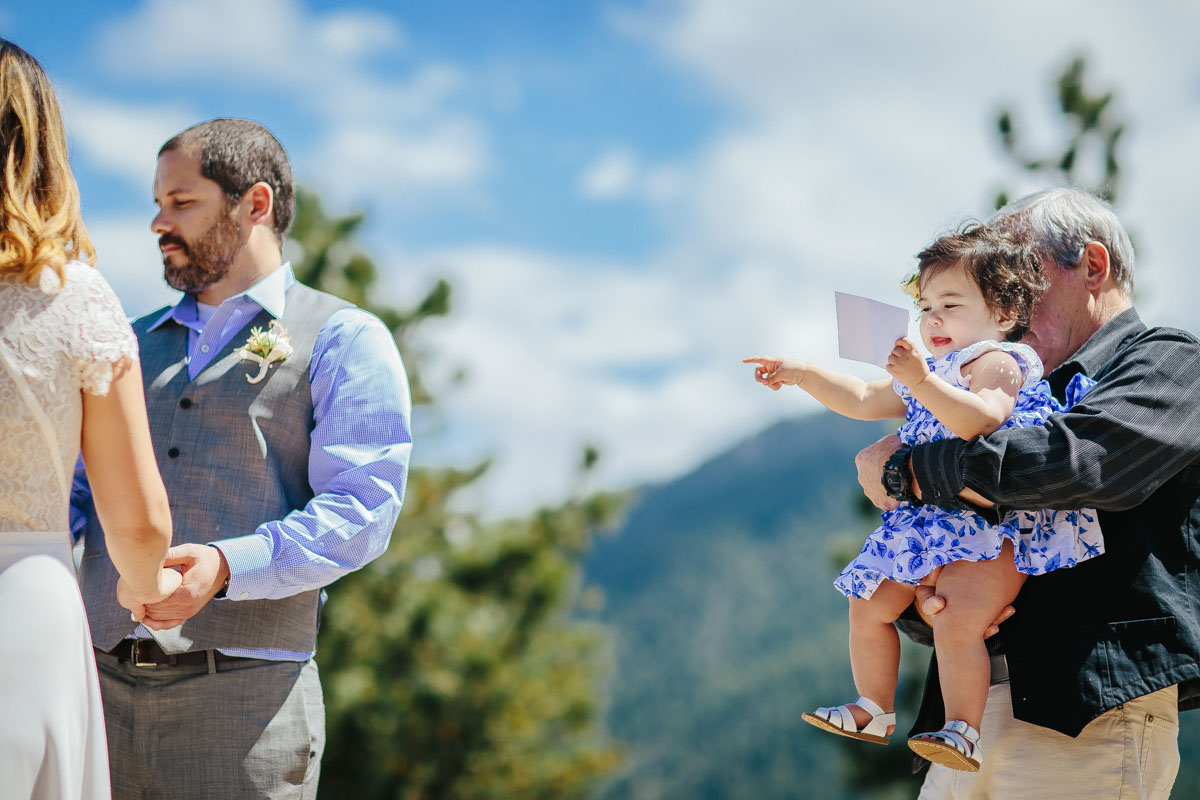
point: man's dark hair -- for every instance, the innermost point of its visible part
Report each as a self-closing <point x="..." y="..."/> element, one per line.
<point x="1004" y="266"/>
<point x="238" y="153"/>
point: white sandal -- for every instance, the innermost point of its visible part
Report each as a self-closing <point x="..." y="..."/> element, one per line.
<point x="839" y="720"/>
<point x="955" y="746"/>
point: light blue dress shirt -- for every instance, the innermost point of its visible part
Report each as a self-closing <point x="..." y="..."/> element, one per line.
<point x="357" y="472"/>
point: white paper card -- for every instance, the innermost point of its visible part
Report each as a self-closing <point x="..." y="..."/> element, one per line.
<point x="868" y="329"/>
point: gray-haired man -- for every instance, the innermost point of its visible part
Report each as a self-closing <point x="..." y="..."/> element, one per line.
<point x="1098" y="659"/>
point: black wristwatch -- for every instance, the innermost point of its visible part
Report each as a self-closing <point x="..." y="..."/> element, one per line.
<point x="896" y="478"/>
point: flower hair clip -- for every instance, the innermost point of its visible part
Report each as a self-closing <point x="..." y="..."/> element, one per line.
<point x="264" y="348"/>
<point x="911" y="286"/>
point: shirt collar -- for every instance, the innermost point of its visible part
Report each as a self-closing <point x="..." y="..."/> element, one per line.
<point x="270" y="294"/>
<point x="1100" y="346"/>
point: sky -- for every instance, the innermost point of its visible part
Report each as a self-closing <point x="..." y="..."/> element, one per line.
<point x="627" y="197"/>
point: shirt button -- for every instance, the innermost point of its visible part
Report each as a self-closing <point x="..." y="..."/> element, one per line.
<point x="173" y="452"/>
<point x="185" y="402"/>
<point x="245" y="595"/>
<point x="203" y="348"/>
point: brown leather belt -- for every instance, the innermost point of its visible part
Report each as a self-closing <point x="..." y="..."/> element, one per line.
<point x="148" y="653"/>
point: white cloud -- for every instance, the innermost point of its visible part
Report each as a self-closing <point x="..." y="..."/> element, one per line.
<point x="856" y="136"/>
<point x="127" y="256"/>
<point x="617" y="174"/>
<point x="849" y="141"/>
<point x="610" y="177"/>
<point x="372" y="132"/>
<point x="121" y="138"/>
<point x="847" y="136"/>
<point x="643" y="362"/>
<point x="268" y="43"/>
<point x="356" y="162"/>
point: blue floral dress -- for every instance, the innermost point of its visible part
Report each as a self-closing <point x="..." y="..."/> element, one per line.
<point x="914" y="540"/>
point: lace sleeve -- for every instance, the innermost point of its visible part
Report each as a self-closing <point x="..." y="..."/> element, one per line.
<point x="104" y="334"/>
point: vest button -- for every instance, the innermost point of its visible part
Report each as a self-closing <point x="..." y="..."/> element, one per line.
<point x="173" y="452"/>
<point x="185" y="402"/>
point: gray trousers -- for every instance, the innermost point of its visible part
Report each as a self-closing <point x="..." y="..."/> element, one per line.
<point x="253" y="729"/>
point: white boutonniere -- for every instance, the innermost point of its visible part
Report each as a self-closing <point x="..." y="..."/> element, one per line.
<point x="264" y="348"/>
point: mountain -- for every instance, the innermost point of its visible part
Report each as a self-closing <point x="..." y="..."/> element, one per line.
<point x="727" y="628"/>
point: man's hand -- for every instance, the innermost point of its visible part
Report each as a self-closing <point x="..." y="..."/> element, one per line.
<point x="929" y="604"/>
<point x="203" y="570"/>
<point x="870" y="461"/>
<point x="906" y="364"/>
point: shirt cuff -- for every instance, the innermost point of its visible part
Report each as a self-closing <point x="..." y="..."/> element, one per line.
<point x="938" y="469"/>
<point x="246" y="556"/>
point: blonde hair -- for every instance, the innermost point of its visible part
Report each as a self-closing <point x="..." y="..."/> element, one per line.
<point x="40" y="224"/>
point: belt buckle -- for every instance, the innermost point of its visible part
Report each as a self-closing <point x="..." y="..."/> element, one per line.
<point x="134" y="657"/>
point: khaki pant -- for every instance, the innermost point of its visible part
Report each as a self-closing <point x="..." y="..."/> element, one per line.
<point x="1128" y="753"/>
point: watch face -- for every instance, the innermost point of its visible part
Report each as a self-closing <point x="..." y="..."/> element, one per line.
<point x="894" y="479"/>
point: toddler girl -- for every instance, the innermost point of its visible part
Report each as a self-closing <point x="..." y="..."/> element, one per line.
<point x="976" y="291"/>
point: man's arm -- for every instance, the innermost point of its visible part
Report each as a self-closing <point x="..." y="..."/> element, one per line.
<point x="357" y="467"/>
<point x="1136" y="429"/>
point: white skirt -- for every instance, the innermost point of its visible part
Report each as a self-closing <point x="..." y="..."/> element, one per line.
<point x="52" y="744"/>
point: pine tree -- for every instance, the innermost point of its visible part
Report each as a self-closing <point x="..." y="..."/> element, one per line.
<point x="1094" y="133"/>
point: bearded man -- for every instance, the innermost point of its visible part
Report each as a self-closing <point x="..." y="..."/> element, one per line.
<point x="285" y="459"/>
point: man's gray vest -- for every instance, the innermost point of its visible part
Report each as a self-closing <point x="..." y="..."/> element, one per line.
<point x="233" y="455"/>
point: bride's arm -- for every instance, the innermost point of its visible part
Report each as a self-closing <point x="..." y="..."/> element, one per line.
<point x="127" y="490"/>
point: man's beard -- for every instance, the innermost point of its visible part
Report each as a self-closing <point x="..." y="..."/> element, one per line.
<point x="207" y="260"/>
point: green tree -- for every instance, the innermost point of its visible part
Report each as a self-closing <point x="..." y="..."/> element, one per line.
<point x="452" y="665"/>
<point x="1093" y="134"/>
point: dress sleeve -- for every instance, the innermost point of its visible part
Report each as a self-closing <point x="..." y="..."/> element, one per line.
<point x="104" y="336"/>
<point x="1027" y="359"/>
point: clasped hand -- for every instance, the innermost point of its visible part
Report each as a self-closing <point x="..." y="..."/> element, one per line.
<point x="192" y="575"/>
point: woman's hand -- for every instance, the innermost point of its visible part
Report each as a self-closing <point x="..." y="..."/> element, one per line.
<point x="906" y="364"/>
<point x="776" y="372"/>
<point x="168" y="581"/>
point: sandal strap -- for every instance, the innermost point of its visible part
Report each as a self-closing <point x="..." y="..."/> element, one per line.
<point x="843" y="718"/>
<point x="868" y="705"/>
<point x="878" y="717"/>
<point x="964" y="729"/>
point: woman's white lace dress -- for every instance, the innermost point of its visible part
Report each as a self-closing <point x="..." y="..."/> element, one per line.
<point x="56" y="341"/>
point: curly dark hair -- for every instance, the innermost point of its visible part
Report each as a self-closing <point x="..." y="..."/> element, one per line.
<point x="1005" y="267"/>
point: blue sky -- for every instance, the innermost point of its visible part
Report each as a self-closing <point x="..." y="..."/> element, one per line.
<point x="627" y="196"/>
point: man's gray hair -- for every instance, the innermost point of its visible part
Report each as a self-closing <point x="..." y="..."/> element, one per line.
<point x="1062" y="221"/>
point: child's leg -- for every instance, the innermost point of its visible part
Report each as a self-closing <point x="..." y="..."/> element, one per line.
<point x="975" y="591"/>
<point x="875" y="645"/>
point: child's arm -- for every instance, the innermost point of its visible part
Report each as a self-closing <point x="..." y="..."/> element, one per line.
<point x="995" y="377"/>
<point x="847" y="395"/>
